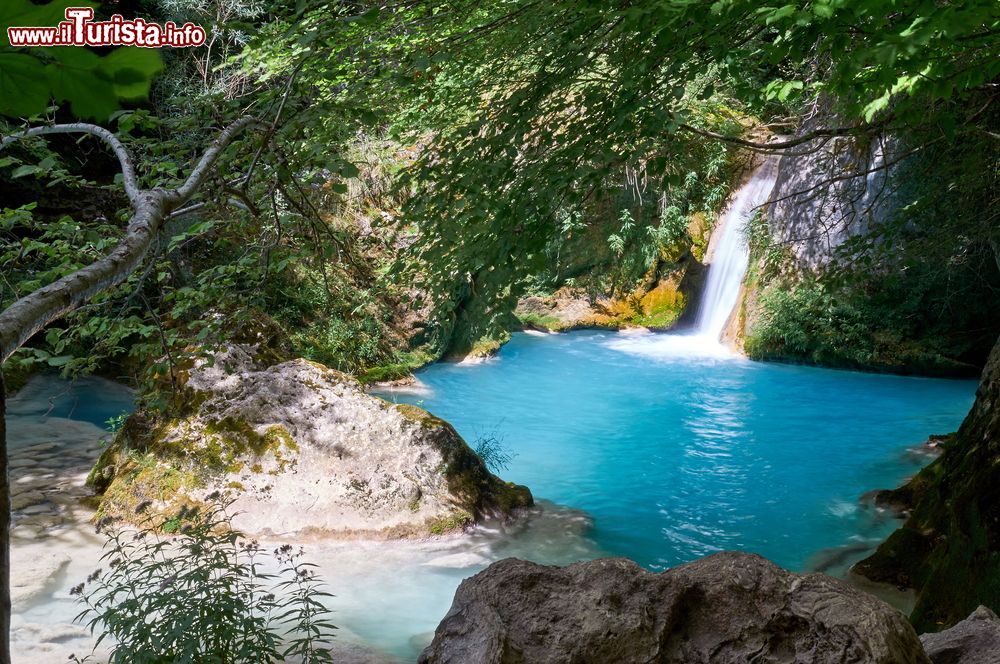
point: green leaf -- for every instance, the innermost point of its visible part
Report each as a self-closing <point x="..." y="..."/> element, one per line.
<point x="787" y="89"/>
<point x="27" y="169"/>
<point x="24" y="87"/>
<point x="132" y="70"/>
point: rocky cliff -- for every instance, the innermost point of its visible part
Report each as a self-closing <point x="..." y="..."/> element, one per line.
<point x="948" y="550"/>
<point x="830" y="190"/>
<point x="877" y="253"/>
<point x="301" y="449"/>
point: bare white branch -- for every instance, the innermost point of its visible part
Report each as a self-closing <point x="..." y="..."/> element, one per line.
<point x="34" y="311"/>
<point x="128" y="170"/>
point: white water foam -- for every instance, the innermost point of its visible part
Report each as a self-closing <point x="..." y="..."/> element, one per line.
<point x="671" y="347"/>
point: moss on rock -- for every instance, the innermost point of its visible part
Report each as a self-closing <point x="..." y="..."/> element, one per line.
<point x="367" y="467"/>
<point x="161" y="459"/>
<point x="451" y="523"/>
<point x="476" y="490"/>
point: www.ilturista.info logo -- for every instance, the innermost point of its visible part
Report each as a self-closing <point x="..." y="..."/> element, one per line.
<point x="79" y="29"/>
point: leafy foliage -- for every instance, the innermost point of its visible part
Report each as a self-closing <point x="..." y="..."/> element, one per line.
<point x="536" y="108"/>
<point x="93" y="85"/>
<point x="917" y="292"/>
<point x="204" y="595"/>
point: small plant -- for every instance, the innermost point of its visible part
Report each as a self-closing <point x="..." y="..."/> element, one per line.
<point x="113" y="424"/>
<point x="203" y="595"/>
<point x="491" y="449"/>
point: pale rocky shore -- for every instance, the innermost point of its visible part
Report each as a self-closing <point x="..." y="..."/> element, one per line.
<point x="53" y="540"/>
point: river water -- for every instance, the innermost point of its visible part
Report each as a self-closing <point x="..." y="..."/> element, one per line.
<point x="634" y="445"/>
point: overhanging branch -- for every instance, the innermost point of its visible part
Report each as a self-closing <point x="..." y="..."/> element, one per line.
<point x="131" y="182"/>
<point x="186" y="190"/>
<point x="778" y="146"/>
<point x="34" y="311"/>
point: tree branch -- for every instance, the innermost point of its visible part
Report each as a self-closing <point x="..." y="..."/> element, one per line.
<point x="128" y="170"/>
<point x="783" y="145"/>
<point x="186" y="190"/>
<point x="34" y="311"/>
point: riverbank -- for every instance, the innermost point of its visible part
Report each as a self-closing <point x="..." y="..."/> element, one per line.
<point x="389" y="595"/>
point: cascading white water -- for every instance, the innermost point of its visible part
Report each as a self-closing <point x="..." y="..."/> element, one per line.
<point x="730" y="253"/>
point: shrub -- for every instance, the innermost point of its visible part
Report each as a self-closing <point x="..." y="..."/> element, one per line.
<point x="203" y="595"/>
<point x="491" y="449"/>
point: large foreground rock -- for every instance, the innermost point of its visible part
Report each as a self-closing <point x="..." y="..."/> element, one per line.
<point x="975" y="640"/>
<point x="302" y="449"/>
<point x="729" y="608"/>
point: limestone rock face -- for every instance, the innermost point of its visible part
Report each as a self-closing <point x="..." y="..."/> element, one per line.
<point x="975" y="640"/>
<point x="728" y="608"/>
<point x="302" y="449"/>
<point x="817" y="206"/>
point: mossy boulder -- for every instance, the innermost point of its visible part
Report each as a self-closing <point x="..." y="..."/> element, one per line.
<point x="948" y="550"/>
<point x="300" y="448"/>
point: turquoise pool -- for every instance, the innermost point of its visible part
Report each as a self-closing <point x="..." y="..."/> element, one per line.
<point x="676" y="453"/>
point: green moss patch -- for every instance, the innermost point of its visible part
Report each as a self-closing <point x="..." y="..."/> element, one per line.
<point x="159" y="460"/>
<point x="542" y="322"/>
<point x="451" y="523"/>
<point x="420" y="416"/>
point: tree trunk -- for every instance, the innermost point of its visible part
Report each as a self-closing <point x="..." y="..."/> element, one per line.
<point x="4" y="532"/>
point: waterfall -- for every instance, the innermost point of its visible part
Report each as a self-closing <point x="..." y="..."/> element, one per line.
<point x="728" y="257"/>
<point x="730" y="253"/>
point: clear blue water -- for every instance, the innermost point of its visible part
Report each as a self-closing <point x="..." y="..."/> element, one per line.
<point x="88" y="399"/>
<point x="676" y="456"/>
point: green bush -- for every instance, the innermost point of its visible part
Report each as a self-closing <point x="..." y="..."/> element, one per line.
<point x="806" y="321"/>
<point x="203" y="595"/>
<point x="840" y="325"/>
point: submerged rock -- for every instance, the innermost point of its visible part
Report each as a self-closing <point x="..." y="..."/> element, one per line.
<point x="975" y="640"/>
<point x="302" y="449"/>
<point x="728" y="608"/>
